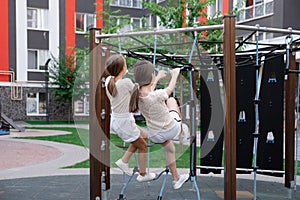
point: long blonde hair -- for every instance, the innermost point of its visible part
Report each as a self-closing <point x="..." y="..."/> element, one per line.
<point x="142" y="74"/>
<point x="114" y="66"/>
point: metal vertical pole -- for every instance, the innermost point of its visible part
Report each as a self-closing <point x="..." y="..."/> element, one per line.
<point x="193" y="151"/>
<point x="0" y="112"/>
<point x="290" y="122"/>
<point x="99" y="121"/>
<point x="230" y="108"/>
<point x="192" y="113"/>
<point x="230" y="5"/>
<point x="47" y="89"/>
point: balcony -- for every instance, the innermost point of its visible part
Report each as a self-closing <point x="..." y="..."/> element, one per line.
<point x="256" y="11"/>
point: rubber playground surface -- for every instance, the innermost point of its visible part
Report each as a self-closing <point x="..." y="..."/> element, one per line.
<point x="33" y="169"/>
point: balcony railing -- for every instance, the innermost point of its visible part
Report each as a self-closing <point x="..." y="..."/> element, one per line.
<point x="128" y="3"/>
<point x="255" y="11"/>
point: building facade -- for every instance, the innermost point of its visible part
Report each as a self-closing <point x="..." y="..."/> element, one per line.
<point x="269" y="13"/>
<point x="33" y="30"/>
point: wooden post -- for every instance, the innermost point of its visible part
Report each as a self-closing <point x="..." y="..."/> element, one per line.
<point x="290" y="122"/>
<point x="230" y="108"/>
<point x="99" y="120"/>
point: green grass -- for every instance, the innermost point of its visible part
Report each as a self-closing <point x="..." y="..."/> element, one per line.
<point x="78" y="136"/>
<point x="56" y="122"/>
<point x="84" y="164"/>
<point x="81" y="137"/>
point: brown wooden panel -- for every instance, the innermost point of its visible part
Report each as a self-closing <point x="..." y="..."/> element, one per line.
<point x="230" y="108"/>
<point x="290" y="123"/>
<point x="99" y="119"/>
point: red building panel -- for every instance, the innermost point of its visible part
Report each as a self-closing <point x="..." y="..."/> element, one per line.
<point x="70" y="26"/>
<point x="99" y="8"/>
<point x="4" y="40"/>
<point x="225" y="7"/>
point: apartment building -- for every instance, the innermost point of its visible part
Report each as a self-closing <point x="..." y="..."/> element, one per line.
<point x="32" y="30"/>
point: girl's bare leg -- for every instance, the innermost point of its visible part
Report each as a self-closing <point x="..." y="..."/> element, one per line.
<point x="143" y="133"/>
<point x="172" y="105"/>
<point x="141" y="145"/>
<point x="131" y="149"/>
<point x="170" y="158"/>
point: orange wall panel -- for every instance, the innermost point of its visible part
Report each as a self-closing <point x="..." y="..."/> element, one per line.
<point x="99" y="8"/>
<point x="70" y="26"/>
<point x="225" y="7"/>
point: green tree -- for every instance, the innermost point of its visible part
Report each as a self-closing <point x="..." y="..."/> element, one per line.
<point x="110" y="18"/>
<point x="171" y="16"/>
<point x="68" y="75"/>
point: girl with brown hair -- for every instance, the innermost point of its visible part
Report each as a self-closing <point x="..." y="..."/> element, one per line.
<point x="122" y="122"/>
<point x="162" y="113"/>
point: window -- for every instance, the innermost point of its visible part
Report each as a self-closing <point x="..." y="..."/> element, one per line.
<point x="84" y="22"/>
<point x="127" y="3"/>
<point x="136" y="3"/>
<point x="115" y="2"/>
<point x="129" y="24"/>
<point x="36" y="104"/>
<point x="214" y="8"/>
<point x="82" y="106"/>
<point x="37" y="59"/>
<point x="37" y="18"/>
<point x="264" y="36"/>
<point x="136" y="23"/>
<point x="269" y="7"/>
<point x="252" y="9"/>
<point x="148" y="21"/>
<point x="125" y="24"/>
<point x="32" y="59"/>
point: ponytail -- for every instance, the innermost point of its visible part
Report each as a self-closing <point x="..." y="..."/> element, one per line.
<point x="112" y="87"/>
<point x="114" y="66"/>
<point x="134" y="99"/>
<point x="142" y="74"/>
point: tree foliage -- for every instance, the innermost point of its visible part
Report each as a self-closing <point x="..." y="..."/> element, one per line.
<point x="65" y="72"/>
<point x="171" y="13"/>
<point x="69" y="73"/>
<point x="171" y="16"/>
<point x="112" y="20"/>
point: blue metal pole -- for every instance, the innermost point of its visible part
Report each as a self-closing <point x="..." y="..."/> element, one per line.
<point x="193" y="133"/>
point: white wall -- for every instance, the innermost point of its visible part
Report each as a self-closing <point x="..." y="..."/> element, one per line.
<point x="54" y="28"/>
<point x="21" y="40"/>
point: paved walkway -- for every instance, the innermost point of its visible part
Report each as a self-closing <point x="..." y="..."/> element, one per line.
<point x="32" y="158"/>
<point x="34" y="169"/>
<point x="77" y="187"/>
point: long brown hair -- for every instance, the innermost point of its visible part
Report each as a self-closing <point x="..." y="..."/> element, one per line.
<point x="142" y="74"/>
<point x="114" y="66"/>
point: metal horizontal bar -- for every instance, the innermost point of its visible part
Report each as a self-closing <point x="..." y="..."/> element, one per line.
<point x="160" y="32"/>
<point x="267" y="29"/>
<point x="294" y="71"/>
<point x="199" y="28"/>
<point x="243" y="169"/>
